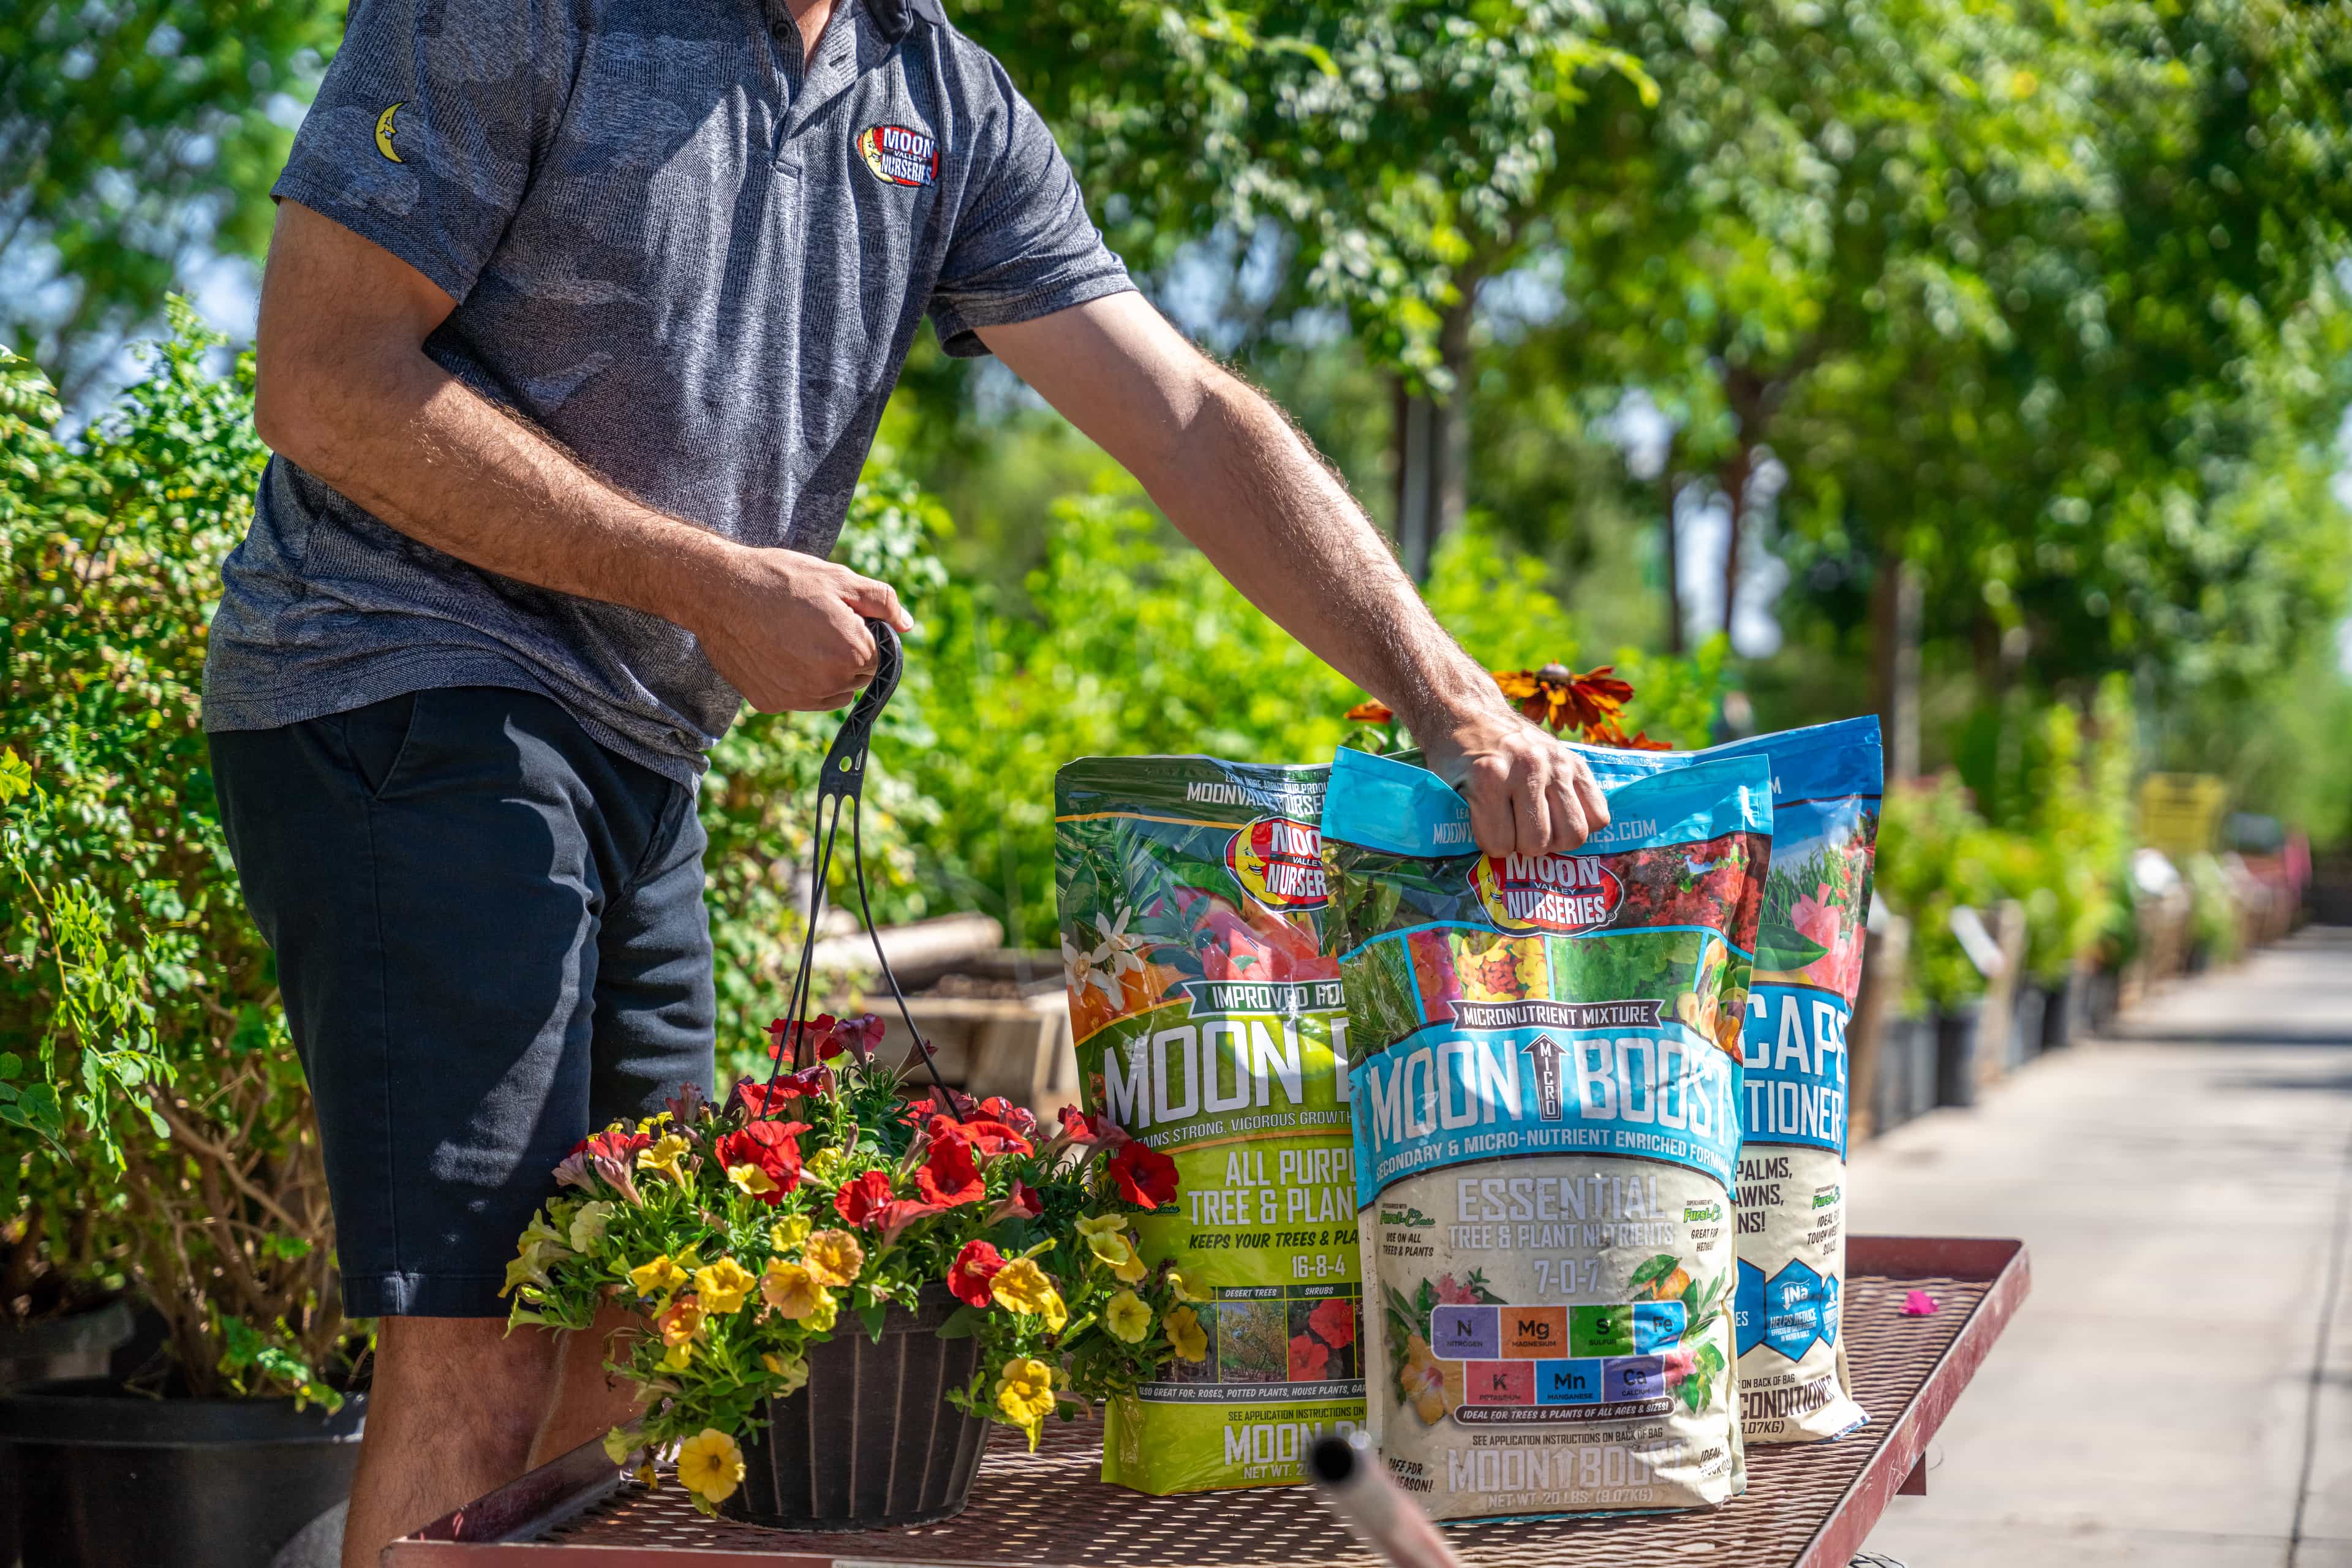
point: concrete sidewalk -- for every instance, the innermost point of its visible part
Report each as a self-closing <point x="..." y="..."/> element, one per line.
<point x="2178" y="1390"/>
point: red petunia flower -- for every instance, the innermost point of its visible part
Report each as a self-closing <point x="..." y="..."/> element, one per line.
<point x="1310" y="1359"/>
<point x="1022" y="1201"/>
<point x="773" y="1147"/>
<point x="898" y="1214"/>
<point x="975" y="1266"/>
<point x="1335" y="1322"/>
<point x="1019" y="1117"/>
<point x="1146" y="1177"/>
<point x="1084" y="1131"/>
<point x="828" y="1035"/>
<point x="994" y="1138"/>
<point x="859" y="1200"/>
<point x="947" y="1176"/>
<point x="614" y="1145"/>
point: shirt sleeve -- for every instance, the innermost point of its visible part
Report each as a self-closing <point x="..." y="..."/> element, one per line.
<point x="1023" y="245"/>
<point x="425" y="131"/>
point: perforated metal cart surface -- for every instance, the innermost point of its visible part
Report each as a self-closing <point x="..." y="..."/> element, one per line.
<point x="1805" y="1508"/>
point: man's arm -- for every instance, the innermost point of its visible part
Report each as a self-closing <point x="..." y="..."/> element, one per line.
<point x="346" y="392"/>
<point x="1242" y="484"/>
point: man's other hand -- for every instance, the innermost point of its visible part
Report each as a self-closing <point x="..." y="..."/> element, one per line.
<point x="788" y="630"/>
<point x="1528" y="794"/>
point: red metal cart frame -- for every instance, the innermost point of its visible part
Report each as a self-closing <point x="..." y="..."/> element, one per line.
<point x="1805" y="1507"/>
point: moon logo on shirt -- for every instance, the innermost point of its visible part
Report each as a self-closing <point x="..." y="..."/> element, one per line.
<point x="385" y="131"/>
<point x="898" y="156"/>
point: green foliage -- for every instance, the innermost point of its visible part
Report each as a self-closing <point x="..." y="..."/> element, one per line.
<point x="182" y="1154"/>
<point x="1936" y="855"/>
<point x="1398" y="148"/>
<point x="135" y="133"/>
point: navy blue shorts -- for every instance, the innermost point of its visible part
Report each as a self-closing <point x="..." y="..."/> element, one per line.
<point x="490" y="939"/>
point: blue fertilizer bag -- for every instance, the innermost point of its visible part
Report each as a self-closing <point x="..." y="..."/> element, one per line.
<point x="1791" y="1195"/>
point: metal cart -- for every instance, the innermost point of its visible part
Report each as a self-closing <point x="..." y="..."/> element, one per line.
<point x="1805" y="1507"/>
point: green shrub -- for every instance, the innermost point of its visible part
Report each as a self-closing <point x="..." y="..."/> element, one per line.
<point x="1935" y="854"/>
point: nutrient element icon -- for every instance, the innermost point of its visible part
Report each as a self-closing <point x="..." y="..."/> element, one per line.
<point x="1545" y="1055"/>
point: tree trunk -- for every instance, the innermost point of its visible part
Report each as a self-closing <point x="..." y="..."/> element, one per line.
<point x="1732" y="477"/>
<point x="1431" y="439"/>
<point x="1671" y="477"/>
<point x="1896" y="603"/>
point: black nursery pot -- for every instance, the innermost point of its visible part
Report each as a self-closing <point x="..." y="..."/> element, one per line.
<point x="2058" y="1004"/>
<point x="1956" y="1054"/>
<point x="110" y="1478"/>
<point x="870" y="1441"/>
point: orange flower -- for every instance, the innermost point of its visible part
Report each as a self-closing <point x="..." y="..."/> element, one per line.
<point x="1560" y="699"/>
<point x="1371" y="711"/>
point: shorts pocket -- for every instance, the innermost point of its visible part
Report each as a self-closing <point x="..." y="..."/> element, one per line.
<point x="376" y="739"/>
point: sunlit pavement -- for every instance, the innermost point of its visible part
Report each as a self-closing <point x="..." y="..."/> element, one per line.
<point x="2178" y="1388"/>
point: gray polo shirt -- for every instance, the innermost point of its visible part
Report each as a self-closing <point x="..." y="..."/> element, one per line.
<point x="697" y="265"/>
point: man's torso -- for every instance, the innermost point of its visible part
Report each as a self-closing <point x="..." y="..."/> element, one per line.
<point x="703" y="283"/>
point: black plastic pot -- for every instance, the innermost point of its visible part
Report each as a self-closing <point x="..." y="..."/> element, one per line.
<point x="110" y="1478"/>
<point x="2058" y="1014"/>
<point x="2106" y="988"/>
<point x="871" y="1440"/>
<point x="2025" y="1025"/>
<point x="1907" y="1072"/>
<point x="1956" y="1054"/>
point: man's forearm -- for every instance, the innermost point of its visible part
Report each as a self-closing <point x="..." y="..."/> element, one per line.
<point x="1249" y="490"/>
<point x="406" y="440"/>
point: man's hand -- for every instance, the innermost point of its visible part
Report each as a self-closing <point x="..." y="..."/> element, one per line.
<point x="1246" y="488"/>
<point x="1528" y="794"/>
<point x="788" y="630"/>
<point x="347" y="391"/>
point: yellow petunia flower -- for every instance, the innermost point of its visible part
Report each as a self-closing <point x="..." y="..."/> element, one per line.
<point x="1178" y="1283"/>
<point x="682" y="1323"/>
<point x="721" y="1287"/>
<point x="787" y="1234"/>
<point x="795" y="1372"/>
<point x="1093" y="1226"/>
<point x="677" y="1357"/>
<point x="1127" y="1317"/>
<point x="751" y="1180"/>
<point x="1129" y="1270"/>
<point x="657" y="1277"/>
<point x="1184" y="1333"/>
<point x="791" y="1289"/>
<point x="1022" y="1285"/>
<point x="833" y="1258"/>
<point x="588" y="1224"/>
<point x="662" y="1156"/>
<point x="824" y="1162"/>
<point x="1025" y="1392"/>
<point x="709" y="1465"/>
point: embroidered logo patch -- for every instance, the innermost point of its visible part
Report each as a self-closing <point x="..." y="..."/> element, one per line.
<point x="385" y="131"/>
<point x="898" y="156"/>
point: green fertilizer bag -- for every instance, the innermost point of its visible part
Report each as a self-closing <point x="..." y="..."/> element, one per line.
<point x="1546" y="1083"/>
<point x="1210" y="1026"/>
<point x="1790" y="1199"/>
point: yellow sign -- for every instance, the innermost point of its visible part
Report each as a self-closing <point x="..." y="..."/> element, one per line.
<point x="2180" y="814"/>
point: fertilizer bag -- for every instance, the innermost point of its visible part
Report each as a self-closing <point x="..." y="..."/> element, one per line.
<point x="1546" y="1083"/>
<point x="1791" y="1198"/>
<point x="1210" y="1026"/>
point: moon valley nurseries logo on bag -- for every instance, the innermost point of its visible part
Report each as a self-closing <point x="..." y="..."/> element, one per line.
<point x="898" y="156"/>
<point x="1279" y="863"/>
<point x="1528" y="894"/>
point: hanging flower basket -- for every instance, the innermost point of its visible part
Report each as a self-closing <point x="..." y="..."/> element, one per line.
<point x="839" y="1274"/>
